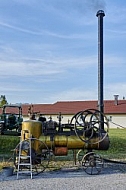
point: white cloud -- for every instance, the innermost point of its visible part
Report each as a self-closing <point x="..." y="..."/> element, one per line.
<point x="23" y="30"/>
<point x="111" y="60"/>
<point x="74" y="94"/>
<point x="51" y="43"/>
<point x="48" y="33"/>
<point x="115" y="88"/>
<point x="117" y="32"/>
<point x="25" y="69"/>
<point x="27" y="66"/>
<point x="115" y="14"/>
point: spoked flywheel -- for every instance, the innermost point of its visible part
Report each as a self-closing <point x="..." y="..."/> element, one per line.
<point x="87" y="124"/>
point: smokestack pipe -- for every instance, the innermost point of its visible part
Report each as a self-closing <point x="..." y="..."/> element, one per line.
<point x="100" y="14"/>
<point x="116" y="99"/>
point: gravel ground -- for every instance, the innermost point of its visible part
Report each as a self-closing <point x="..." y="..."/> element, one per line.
<point x="112" y="177"/>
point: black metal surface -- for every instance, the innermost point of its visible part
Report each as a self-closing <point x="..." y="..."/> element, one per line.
<point x="100" y="14"/>
<point x="113" y="161"/>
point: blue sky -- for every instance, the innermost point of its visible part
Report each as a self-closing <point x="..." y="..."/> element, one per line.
<point x="49" y="50"/>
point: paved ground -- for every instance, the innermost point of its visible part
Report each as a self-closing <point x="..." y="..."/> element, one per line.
<point x="112" y="177"/>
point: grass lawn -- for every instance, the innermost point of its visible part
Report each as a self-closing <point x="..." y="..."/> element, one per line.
<point x="116" y="151"/>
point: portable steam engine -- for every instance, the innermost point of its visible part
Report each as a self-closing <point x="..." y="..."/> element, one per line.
<point x="87" y="130"/>
<point x="40" y="139"/>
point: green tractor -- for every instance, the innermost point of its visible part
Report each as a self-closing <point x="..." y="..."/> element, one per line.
<point x="11" y="119"/>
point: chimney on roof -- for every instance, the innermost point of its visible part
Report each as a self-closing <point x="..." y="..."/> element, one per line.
<point x="116" y="99"/>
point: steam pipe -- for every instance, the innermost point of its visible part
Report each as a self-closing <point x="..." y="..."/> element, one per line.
<point x="100" y="14"/>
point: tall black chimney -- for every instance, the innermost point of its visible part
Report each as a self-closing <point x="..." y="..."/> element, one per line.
<point x="100" y="14"/>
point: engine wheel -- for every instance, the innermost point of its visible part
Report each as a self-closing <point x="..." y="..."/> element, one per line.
<point x="92" y="163"/>
<point x="40" y="155"/>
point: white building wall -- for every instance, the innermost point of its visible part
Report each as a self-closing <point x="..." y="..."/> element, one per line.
<point x="64" y="118"/>
<point x="115" y="120"/>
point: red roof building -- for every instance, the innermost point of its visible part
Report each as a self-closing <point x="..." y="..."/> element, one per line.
<point x="72" y="107"/>
<point x="114" y="110"/>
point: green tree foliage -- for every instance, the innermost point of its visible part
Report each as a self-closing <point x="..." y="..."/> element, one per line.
<point x="3" y="100"/>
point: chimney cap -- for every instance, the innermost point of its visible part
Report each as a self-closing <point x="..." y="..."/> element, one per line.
<point x="116" y="99"/>
<point x="101" y="13"/>
<point x="116" y="95"/>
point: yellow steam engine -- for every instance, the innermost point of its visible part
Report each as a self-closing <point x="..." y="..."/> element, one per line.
<point x="40" y="139"/>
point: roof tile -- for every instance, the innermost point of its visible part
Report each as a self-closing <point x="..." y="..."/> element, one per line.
<point x="72" y="107"/>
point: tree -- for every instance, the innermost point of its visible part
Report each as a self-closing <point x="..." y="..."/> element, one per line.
<point x="3" y="100"/>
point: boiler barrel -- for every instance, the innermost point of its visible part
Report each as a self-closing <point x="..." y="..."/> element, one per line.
<point x="73" y="142"/>
<point x="34" y="127"/>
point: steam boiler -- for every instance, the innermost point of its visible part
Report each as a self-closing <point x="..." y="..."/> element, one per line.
<point x="41" y="139"/>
